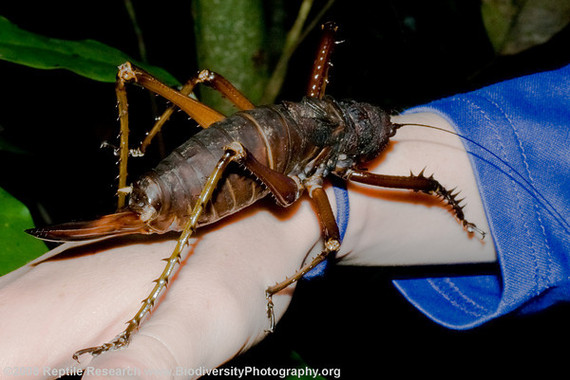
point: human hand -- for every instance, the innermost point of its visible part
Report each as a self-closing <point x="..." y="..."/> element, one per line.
<point x="214" y="309"/>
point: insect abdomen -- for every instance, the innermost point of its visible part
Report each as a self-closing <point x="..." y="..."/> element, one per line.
<point x="181" y="176"/>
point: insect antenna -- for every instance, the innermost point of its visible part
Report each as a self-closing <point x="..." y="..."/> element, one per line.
<point x="517" y="177"/>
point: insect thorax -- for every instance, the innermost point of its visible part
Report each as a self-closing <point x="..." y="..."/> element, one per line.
<point x="347" y="131"/>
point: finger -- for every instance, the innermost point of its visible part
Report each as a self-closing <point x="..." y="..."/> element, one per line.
<point x="59" y="305"/>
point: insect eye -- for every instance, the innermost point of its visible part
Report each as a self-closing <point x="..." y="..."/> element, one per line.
<point x="146" y="199"/>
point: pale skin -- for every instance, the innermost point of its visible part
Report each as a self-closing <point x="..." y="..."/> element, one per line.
<point x="215" y="307"/>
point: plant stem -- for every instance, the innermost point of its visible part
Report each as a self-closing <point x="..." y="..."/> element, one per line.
<point x="230" y="39"/>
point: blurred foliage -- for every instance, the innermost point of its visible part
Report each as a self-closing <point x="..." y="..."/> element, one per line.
<point x="7" y="146"/>
<point x="514" y="26"/>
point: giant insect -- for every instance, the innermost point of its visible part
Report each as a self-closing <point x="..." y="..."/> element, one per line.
<point x="282" y="150"/>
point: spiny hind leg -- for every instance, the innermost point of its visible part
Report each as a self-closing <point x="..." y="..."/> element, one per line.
<point x="123" y="339"/>
<point x="428" y="185"/>
<point x="331" y="238"/>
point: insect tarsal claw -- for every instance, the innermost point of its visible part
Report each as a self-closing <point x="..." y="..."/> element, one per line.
<point x="136" y="152"/>
<point x="332" y="245"/>
<point x="126" y="72"/>
<point x="205" y="75"/>
<point x="472" y="228"/>
<point x="270" y="312"/>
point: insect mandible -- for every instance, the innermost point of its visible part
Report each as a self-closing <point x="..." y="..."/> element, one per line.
<point x="281" y="150"/>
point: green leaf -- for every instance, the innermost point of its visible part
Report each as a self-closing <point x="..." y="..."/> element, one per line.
<point x="88" y="58"/>
<point x="18" y="248"/>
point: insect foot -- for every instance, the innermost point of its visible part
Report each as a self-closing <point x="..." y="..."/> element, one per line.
<point x="205" y="76"/>
<point x="120" y="341"/>
<point x="126" y="72"/>
<point x="270" y="311"/>
<point x="332" y="245"/>
<point x="472" y="228"/>
<point x="433" y="187"/>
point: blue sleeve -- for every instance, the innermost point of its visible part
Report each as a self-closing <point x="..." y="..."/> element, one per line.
<point x="523" y="174"/>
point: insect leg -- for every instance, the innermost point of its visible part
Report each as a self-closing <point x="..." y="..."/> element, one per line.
<point x="226" y="88"/>
<point x="319" y="76"/>
<point x="124" y="140"/>
<point x="211" y="79"/>
<point x="331" y="237"/>
<point x="428" y="185"/>
<point x="284" y="189"/>
<point x="202" y="114"/>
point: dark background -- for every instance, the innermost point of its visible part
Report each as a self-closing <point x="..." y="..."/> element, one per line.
<point x="395" y="54"/>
